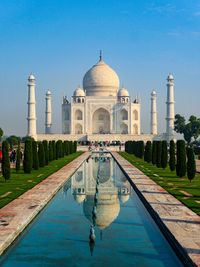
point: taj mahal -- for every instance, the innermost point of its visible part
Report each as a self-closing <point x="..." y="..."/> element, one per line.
<point x="101" y="110"/>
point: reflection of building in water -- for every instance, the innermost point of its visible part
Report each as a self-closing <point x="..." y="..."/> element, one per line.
<point x="113" y="189"/>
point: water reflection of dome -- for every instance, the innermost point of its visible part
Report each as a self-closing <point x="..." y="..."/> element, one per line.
<point x="108" y="208"/>
<point x="79" y="198"/>
<point x="124" y="198"/>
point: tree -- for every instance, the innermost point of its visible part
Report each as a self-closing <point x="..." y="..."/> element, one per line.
<point x="54" y="149"/>
<point x="1" y="133"/>
<point x="13" y="140"/>
<point x="190" y="129"/>
<point x="18" y="159"/>
<point x="75" y="146"/>
<point x="172" y="158"/>
<point x="148" y="152"/>
<point x="50" y="151"/>
<point x="28" y="159"/>
<point x="5" y="161"/>
<point x="180" y="158"/>
<point x="154" y="152"/>
<point x="164" y="154"/>
<point x="41" y="155"/>
<point x="35" y="156"/>
<point x="46" y="151"/>
<point x="158" y="153"/>
<point x="191" y="164"/>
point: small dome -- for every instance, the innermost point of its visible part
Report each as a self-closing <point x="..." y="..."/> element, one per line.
<point x="124" y="198"/>
<point x="170" y="77"/>
<point x="123" y="92"/>
<point x="153" y="93"/>
<point x="31" y="77"/>
<point x="101" y="80"/>
<point x="79" y="92"/>
<point x="48" y="93"/>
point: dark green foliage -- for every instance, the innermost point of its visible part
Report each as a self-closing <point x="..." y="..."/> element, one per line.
<point x="1" y="133"/>
<point x="75" y="146"/>
<point x="41" y="155"/>
<point x="54" y="149"/>
<point x="148" y="152"/>
<point x="63" y="148"/>
<point x="180" y="158"/>
<point x="140" y="149"/>
<point x="70" y="147"/>
<point x="35" y="156"/>
<point x="46" y="151"/>
<point x="191" y="164"/>
<point x="164" y="154"/>
<point x="154" y="152"/>
<point x="50" y="151"/>
<point x="13" y="140"/>
<point x="28" y="157"/>
<point x="59" y="149"/>
<point x="5" y="161"/>
<point x="158" y="153"/>
<point x="172" y="158"/>
<point x="18" y="159"/>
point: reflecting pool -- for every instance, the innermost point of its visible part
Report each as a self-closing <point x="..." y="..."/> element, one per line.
<point x="98" y="194"/>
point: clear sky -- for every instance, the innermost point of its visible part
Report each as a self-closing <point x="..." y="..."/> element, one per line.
<point x="58" y="41"/>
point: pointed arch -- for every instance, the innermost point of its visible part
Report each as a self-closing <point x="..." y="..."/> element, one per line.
<point x="78" y="115"/>
<point x="135" y="129"/>
<point x="123" y="128"/>
<point x="135" y="115"/>
<point x="123" y="115"/>
<point x="78" y="128"/>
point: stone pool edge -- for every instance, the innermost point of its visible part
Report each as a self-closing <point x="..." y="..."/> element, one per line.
<point x="18" y="214"/>
<point x="179" y="224"/>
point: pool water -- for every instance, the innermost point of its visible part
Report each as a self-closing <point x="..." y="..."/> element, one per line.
<point x="126" y="235"/>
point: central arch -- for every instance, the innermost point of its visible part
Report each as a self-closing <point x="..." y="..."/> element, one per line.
<point x="101" y="121"/>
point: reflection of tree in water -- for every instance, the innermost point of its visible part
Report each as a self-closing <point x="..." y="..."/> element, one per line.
<point x="104" y="170"/>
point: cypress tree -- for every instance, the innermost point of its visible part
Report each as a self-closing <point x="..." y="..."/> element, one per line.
<point x="148" y="152"/>
<point x="70" y="147"/>
<point x="154" y="152"/>
<point x="63" y="149"/>
<point x="180" y="158"/>
<point x="5" y="161"/>
<point x="28" y="157"/>
<point x="46" y="151"/>
<point x="158" y="153"/>
<point x="35" y="156"/>
<point x="191" y="163"/>
<point x="41" y="155"/>
<point x="57" y="149"/>
<point x="18" y="159"/>
<point x="50" y="151"/>
<point x="75" y="146"/>
<point x="67" y="147"/>
<point x="172" y="159"/>
<point x="141" y="149"/>
<point x="164" y="154"/>
<point x="54" y="149"/>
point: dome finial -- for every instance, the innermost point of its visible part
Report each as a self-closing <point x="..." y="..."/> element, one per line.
<point x="100" y="55"/>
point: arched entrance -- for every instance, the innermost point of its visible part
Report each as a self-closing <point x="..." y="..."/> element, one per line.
<point x="101" y="121"/>
<point x="123" y="128"/>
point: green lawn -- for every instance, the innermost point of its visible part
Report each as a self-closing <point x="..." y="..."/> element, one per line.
<point x="21" y="182"/>
<point x="170" y="182"/>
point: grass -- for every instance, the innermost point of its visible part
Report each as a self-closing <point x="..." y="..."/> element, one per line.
<point x="21" y="182"/>
<point x="170" y="182"/>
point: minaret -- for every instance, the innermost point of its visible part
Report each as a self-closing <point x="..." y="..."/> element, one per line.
<point x="48" y="122"/>
<point x="31" y="107"/>
<point x="153" y="113"/>
<point x="170" y="107"/>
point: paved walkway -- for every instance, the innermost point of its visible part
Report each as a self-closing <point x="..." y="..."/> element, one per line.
<point x="15" y="216"/>
<point x="183" y="223"/>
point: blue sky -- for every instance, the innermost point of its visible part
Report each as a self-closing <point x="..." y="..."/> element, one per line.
<point x="58" y="41"/>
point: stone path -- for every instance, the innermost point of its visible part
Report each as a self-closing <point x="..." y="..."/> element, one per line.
<point x="15" y="216"/>
<point x="183" y="223"/>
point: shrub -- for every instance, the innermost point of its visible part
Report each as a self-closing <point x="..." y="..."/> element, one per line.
<point x="46" y="151"/>
<point x="164" y="154"/>
<point x="50" y="151"/>
<point x="75" y="146"/>
<point x="35" y="156"/>
<point x="5" y="161"/>
<point x="154" y="152"/>
<point x="158" y="153"/>
<point x="148" y="152"/>
<point x="28" y="157"/>
<point x="180" y="158"/>
<point x="191" y="163"/>
<point x="54" y="149"/>
<point x="18" y="159"/>
<point x="41" y="155"/>
<point x="172" y="158"/>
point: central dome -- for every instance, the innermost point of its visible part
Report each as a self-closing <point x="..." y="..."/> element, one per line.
<point x="101" y="80"/>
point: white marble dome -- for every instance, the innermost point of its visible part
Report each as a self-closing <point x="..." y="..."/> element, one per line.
<point x="101" y="80"/>
<point x="170" y="77"/>
<point x="31" y="77"/>
<point x="79" y="92"/>
<point x="123" y="92"/>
